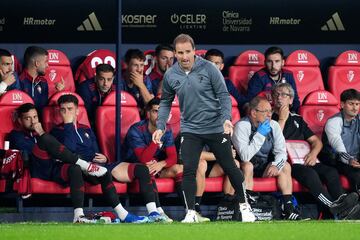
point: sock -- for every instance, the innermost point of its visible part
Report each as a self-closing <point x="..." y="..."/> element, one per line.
<point x="141" y="172"/>
<point x="76" y="181"/>
<point x="157" y="199"/>
<point x="250" y="192"/>
<point x="83" y="164"/>
<point x="197" y="203"/>
<point x="160" y="210"/>
<point x="78" y="212"/>
<point x="121" y="212"/>
<point x="151" y="207"/>
<point x="288" y="205"/>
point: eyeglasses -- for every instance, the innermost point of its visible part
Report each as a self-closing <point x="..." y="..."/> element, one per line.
<point x="264" y="111"/>
<point x="283" y="95"/>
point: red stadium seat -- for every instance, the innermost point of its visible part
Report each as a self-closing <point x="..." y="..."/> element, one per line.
<point x="86" y="70"/>
<point x="235" y="113"/>
<point x="265" y="185"/>
<point x="245" y="65"/>
<point x="173" y="122"/>
<point x="200" y="52"/>
<point x="318" y="106"/>
<point x="51" y="115"/>
<point x="39" y="186"/>
<point x="345" y="73"/>
<point x="96" y="189"/>
<point x="305" y="67"/>
<point x="164" y="185"/>
<point x="105" y="121"/>
<point x="8" y="104"/>
<point x="214" y="184"/>
<point x="59" y="71"/>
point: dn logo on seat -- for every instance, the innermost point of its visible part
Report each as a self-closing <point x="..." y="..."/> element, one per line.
<point x="302" y="58"/>
<point x="352" y="58"/>
<point x="253" y="58"/>
<point x="322" y="97"/>
<point x="17" y="98"/>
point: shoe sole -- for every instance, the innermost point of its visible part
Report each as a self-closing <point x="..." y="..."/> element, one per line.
<point x="354" y="214"/>
<point x="348" y="203"/>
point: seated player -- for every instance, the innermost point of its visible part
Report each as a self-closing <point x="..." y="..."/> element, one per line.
<point x="81" y="140"/>
<point x="45" y="152"/>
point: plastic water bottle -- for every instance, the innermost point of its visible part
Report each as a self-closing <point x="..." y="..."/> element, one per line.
<point x="6" y="145"/>
<point x="105" y="220"/>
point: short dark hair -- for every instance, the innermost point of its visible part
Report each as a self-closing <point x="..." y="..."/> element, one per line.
<point x="184" y="38"/>
<point x="104" y="67"/>
<point x="24" y="108"/>
<point x="162" y="47"/>
<point x="349" y="94"/>
<point x="214" y="52"/>
<point x="151" y="103"/>
<point x="4" y="53"/>
<point x="32" y="52"/>
<point x="274" y="50"/>
<point x="254" y="103"/>
<point x="68" y="98"/>
<point x="134" y="53"/>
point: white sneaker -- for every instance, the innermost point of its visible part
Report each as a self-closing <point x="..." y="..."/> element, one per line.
<point x="166" y="217"/>
<point x="190" y="217"/>
<point x="246" y="213"/>
<point x="95" y="170"/>
<point x="201" y="218"/>
<point x="83" y="219"/>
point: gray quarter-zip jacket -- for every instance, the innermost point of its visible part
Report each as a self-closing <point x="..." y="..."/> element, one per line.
<point x="203" y="98"/>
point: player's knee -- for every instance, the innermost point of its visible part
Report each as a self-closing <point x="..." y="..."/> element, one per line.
<point x="141" y="171"/>
<point x="247" y="168"/>
<point x="287" y="169"/>
<point x="178" y="168"/>
<point x="74" y="170"/>
<point x="202" y="167"/>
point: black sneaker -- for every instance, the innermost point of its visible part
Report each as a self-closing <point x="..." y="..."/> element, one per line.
<point x="352" y="214"/>
<point x="293" y="216"/>
<point x="343" y="203"/>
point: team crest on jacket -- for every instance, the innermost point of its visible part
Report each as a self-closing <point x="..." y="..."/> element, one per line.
<point x="38" y="88"/>
<point x="87" y="135"/>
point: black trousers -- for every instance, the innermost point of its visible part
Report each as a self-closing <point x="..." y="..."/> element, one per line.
<point x="220" y="145"/>
<point x="353" y="174"/>
<point x="313" y="177"/>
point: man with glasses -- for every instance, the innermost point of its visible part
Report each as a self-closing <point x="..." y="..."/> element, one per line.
<point x="311" y="174"/>
<point x="342" y="137"/>
<point x="261" y="146"/>
<point x="272" y="74"/>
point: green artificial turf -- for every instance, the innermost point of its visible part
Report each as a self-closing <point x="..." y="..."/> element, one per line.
<point x="215" y="230"/>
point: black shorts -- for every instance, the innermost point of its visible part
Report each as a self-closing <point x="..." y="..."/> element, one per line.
<point x="57" y="172"/>
<point x="210" y="165"/>
<point x="259" y="166"/>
